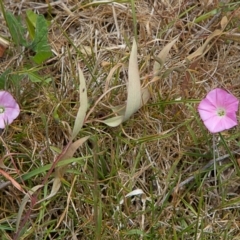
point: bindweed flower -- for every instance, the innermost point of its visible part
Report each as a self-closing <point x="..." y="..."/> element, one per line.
<point x="9" y="109"/>
<point x="218" y="110"/>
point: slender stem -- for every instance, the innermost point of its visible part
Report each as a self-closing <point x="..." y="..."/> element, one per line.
<point x="96" y="190"/>
<point x="214" y="159"/>
<point x="134" y="19"/>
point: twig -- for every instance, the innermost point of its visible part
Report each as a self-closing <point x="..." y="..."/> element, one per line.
<point x="188" y="180"/>
<point x="208" y="165"/>
<point x="4" y="184"/>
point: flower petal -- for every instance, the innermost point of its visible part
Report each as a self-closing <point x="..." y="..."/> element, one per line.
<point x="11" y="109"/>
<point x="232" y="116"/>
<point x="215" y="125"/>
<point x="205" y="114"/>
<point x="7" y="100"/>
<point x="222" y="98"/>
<point x="2" y="123"/>
<point x="11" y="113"/>
<point x="218" y="98"/>
<point x="206" y="109"/>
<point x="206" y="104"/>
<point x="212" y="96"/>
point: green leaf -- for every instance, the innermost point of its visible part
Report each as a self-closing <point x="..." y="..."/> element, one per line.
<point x="34" y="77"/>
<point x="135" y="232"/>
<point x="16" y="29"/>
<point x="45" y="168"/>
<point x="55" y="113"/>
<point x="40" y="43"/>
<point x="4" y="228"/>
<point x="31" y="20"/>
<point x="41" y="57"/>
<point x="15" y="78"/>
<point x="3" y="78"/>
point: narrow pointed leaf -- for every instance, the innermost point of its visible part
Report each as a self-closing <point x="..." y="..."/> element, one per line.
<point x="135" y="93"/>
<point x="162" y="56"/>
<point x="69" y="154"/>
<point x="16" y="29"/>
<point x="145" y="96"/>
<point x="14" y="182"/>
<point x="73" y="148"/>
<point x="134" y="97"/>
<point x="31" y="19"/>
<point x="204" y="48"/>
<point x="83" y="105"/>
<point x="55" y="187"/>
<point x="114" y="121"/>
<point x="40" y="43"/>
<point x="24" y="202"/>
<point x="59" y="171"/>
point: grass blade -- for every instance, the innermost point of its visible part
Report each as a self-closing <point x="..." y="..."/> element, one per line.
<point x="83" y="105"/>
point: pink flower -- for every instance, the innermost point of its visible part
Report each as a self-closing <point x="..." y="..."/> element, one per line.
<point x="9" y="109"/>
<point x="218" y="110"/>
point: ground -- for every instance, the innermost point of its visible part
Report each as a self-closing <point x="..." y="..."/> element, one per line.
<point x="68" y="174"/>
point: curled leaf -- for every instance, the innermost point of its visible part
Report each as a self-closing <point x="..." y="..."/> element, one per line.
<point x="59" y="171"/>
<point x="224" y="22"/>
<point x="14" y="182"/>
<point x="55" y="187"/>
<point x="83" y="105"/>
<point x="134" y="92"/>
<point x="26" y="198"/>
<point x="134" y="97"/>
<point x="205" y="47"/>
<point x="162" y="56"/>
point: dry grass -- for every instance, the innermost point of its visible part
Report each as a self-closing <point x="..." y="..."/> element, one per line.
<point x="158" y="148"/>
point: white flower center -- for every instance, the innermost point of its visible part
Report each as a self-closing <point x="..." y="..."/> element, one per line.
<point x="221" y="112"/>
<point x="2" y="109"/>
